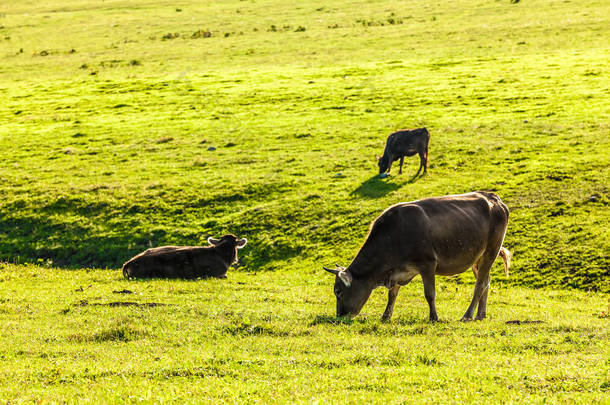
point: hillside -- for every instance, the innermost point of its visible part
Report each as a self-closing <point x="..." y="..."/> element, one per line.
<point x="108" y="110"/>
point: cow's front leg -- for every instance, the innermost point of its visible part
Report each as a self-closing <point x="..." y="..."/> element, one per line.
<point x="389" y="309"/>
<point x="402" y="159"/>
<point x="430" y="293"/>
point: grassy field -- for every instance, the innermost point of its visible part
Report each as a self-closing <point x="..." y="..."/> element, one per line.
<point x="108" y="110"/>
<point x="72" y="336"/>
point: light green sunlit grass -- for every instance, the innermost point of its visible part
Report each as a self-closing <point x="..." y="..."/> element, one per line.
<point x="272" y="337"/>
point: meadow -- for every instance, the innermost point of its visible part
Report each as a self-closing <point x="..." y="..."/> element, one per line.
<point x="131" y="124"/>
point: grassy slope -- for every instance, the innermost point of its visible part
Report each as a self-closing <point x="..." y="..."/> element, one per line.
<point x="99" y="167"/>
<point x="263" y="337"/>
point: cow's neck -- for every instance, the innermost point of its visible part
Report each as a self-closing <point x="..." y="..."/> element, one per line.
<point x="372" y="271"/>
<point x="226" y="253"/>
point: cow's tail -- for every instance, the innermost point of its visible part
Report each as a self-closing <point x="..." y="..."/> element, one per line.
<point x="506" y="256"/>
<point x="427" y="142"/>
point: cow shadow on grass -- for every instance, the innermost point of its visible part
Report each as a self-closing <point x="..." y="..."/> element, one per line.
<point x="376" y="186"/>
<point x="372" y="324"/>
<point x="332" y="320"/>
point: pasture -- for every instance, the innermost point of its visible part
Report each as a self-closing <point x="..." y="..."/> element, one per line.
<point x="131" y="124"/>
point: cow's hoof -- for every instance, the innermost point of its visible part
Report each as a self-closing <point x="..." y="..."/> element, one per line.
<point x="464" y="319"/>
<point x="383" y="175"/>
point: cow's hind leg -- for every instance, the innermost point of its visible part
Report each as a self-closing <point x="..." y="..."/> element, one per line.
<point x="389" y="309"/>
<point x="402" y="159"/>
<point x="481" y="286"/>
<point x="422" y="164"/>
<point x="482" y="307"/>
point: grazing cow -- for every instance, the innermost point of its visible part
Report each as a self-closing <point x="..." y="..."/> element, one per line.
<point x="186" y="261"/>
<point x="405" y="143"/>
<point x="434" y="236"/>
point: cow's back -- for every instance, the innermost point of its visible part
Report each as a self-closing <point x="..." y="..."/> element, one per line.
<point x="407" y="141"/>
<point x="177" y="262"/>
<point x="455" y="229"/>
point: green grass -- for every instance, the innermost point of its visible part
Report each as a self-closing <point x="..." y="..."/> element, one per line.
<point x="99" y="167"/>
<point x="105" y="125"/>
<point x="272" y="337"/>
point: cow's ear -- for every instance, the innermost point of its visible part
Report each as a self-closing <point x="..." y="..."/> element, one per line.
<point x="213" y="241"/>
<point x="346" y="277"/>
<point x="241" y="243"/>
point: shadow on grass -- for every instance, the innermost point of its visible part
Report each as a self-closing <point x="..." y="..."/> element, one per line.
<point x="74" y="233"/>
<point x="377" y="186"/>
<point x="412" y="320"/>
<point x="331" y="320"/>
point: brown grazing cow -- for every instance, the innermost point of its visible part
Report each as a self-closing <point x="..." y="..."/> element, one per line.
<point x="405" y="143"/>
<point x="186" y="261"/>
<point x="435" y="236"/>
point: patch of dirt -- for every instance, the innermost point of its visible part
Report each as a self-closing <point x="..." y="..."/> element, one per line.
<point x="132" y="304"/>
<point x="170" y="36"/>
<point x="84" y="303"/>
<point x="123" y="292"/>
<point x="518" y="322"/>
<point x="201" y="34"/>
<point x="164" y="140"/>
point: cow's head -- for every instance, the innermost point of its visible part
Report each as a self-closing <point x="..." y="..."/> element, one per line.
<point x="229" y="239"/>
<point x="383" y="162"/>
<point x="351" y="293"/>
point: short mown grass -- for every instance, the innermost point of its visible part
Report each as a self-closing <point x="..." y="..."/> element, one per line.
<point x="273" y="337"/>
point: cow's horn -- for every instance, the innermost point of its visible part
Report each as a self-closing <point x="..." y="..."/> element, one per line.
<point x="334" y="271"/>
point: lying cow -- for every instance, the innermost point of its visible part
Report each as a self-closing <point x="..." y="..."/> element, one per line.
<point x="186" y="261"/>
<point x="435" y="236"/>
<point x="405" y="143"/>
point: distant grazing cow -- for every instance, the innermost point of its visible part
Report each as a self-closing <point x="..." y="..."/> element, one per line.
<point x="186" y="261"/>
<point x="434" y="236"/>
<point x="405" y="143"/>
